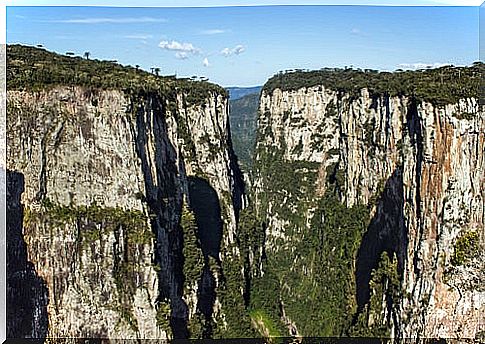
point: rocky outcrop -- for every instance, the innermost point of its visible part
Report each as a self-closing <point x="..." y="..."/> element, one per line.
<point x="419" y="170"/>
<point x="107" y="174"/>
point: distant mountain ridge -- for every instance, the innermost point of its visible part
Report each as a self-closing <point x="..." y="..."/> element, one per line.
<point x="239" y="92"/>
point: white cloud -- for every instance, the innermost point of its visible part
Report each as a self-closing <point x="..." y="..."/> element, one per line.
<point x="205" y="62"/>
<point x="226" y="52"/>
<point x="100" y="20"/>
<point x="238" y="49"/>
<point x="355" y="31"/>
<point x="181" y="55"/>
<point x="212" y="32"/>
<point x="139" y="36"/>
<point x="178" y="46"/>
<point x="421" y="65"/>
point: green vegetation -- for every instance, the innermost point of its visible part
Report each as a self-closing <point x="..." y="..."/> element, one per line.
<point x="385" y="286"/>
<point x="328" y="249"/>
<point x="467" y="247"/>
<point x="312" y="275"/>
<point x="439" y="86"/>
<point x="93" y="221"/>
<point x="232" y="281"/>
<point x="129" y="318"/>
<point x="261" y="292"/>
<point x="197" y="326"/>
<point x="192" y="267"/>
<point x="265" y="324"/>
<point x="163" y="316"/>
<point x="243" y="121"/>
<point x="229" y="293"/>
<point x="192" y="250"/>
<point x="31" y="68"/>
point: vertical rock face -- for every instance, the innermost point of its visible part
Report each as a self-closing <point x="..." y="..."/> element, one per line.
<point x="27" y="295"/>
<point x="418" y="169"/>
<point x="125" y="202"/>
<point x="107" y="175"/>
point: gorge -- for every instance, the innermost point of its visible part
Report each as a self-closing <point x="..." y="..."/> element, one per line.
<point x="360" y="212"/>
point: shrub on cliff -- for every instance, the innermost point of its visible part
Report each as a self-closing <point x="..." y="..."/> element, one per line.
<point x="31" y="68"/>
<point x="439" y="86"/>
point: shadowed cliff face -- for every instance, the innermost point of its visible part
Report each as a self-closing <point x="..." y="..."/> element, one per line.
<point x="27" y="294"/>
<point x="386" y="232"/>
<point x="164" y="199"/>
<point x="205" y="204"/>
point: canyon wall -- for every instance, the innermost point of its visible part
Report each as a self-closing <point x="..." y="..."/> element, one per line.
<point x="111" y="187"/>
<point x="128" y="215"/>
<point x="410" y="176"/>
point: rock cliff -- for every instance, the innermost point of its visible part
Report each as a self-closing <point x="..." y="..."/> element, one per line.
<point x="114" y="166"/>
<point x="387" y="187"/>
<point x="128" y="218"/>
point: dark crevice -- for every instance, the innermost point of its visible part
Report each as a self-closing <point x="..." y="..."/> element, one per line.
<point x="204" y="202"/>
<point x="414" y="127"/>
<point x="39" y="197"/>
<point x="247" y="281"/>
<point x="206" y="297"/>
<point x="374" y="102"/>
<point x="27" y="293"/>
<point x="239" y="186"/>
<point x="164" y="200"/>
<point x="386" y="232"/>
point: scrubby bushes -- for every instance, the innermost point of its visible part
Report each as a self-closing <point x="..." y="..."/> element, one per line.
<point x="439" y="86"/>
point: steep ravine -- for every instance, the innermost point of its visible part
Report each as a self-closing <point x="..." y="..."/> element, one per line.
<point x="370" y="206"/>
<point x="128" y="216"/>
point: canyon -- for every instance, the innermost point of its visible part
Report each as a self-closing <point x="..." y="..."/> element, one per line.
<point x="360" y="212"/>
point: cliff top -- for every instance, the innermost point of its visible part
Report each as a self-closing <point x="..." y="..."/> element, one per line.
<point x="439" y="86"/>
<point x="31" y="68"/>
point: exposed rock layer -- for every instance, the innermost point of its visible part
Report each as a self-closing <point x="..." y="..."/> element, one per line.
<point x="419" y="168"/>
<point x="85" y="152"/>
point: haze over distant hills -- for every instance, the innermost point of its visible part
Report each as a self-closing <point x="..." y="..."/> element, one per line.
<point x="243" y="117"/>
<point x="239" y="92"/>
<point x="243" y="102"/>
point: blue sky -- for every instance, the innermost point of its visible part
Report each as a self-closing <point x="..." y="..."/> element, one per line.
<point x="244" y="46"/>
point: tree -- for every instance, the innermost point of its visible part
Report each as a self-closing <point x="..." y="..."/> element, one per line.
<point x="157" y="71"/>
<point x="86" y="55"/>
<point x="192" y="250"/>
